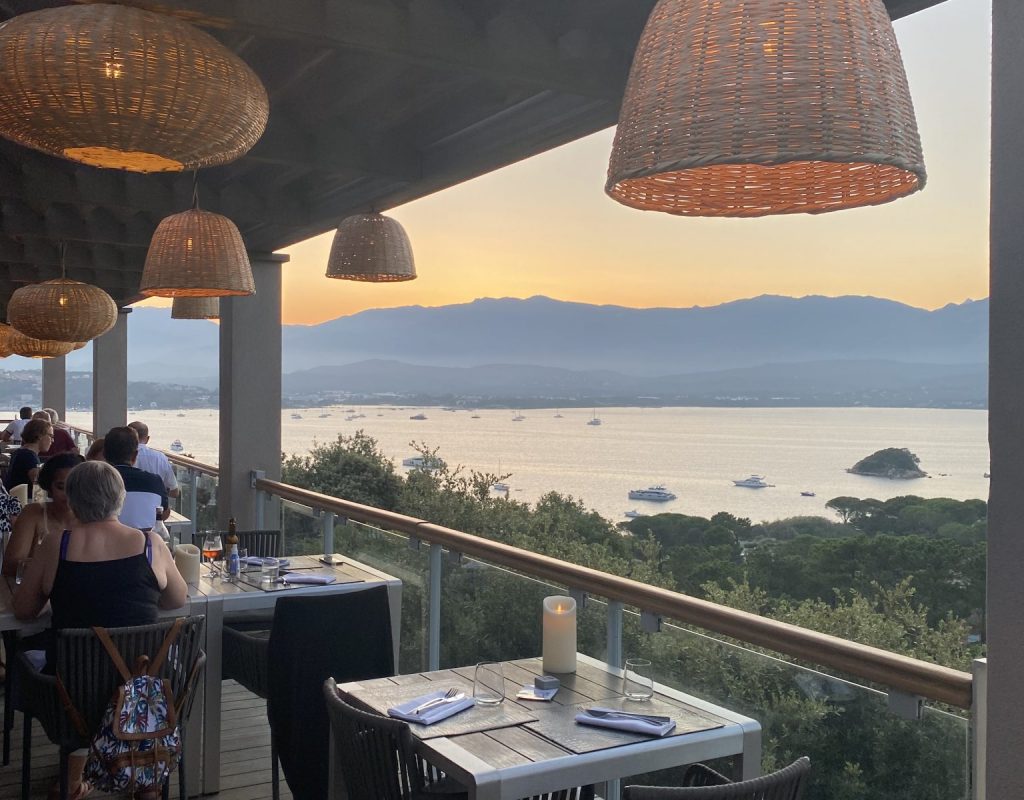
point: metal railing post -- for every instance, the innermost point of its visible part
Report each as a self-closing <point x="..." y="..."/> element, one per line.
<point x="978" y="750"/>
<point x="614" y="634"/>
<point x="193" y="498"/>
<point x="434" y="609"/>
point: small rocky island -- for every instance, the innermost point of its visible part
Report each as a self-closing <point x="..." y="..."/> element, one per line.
<point x="896" y="463"/>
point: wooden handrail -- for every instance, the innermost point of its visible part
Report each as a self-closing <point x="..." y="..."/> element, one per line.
<point x="873" y="664"/>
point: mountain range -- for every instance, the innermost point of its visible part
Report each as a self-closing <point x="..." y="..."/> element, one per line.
<point x="765" y="345"/>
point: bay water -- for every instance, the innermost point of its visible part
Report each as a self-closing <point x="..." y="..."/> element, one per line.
<point x="695" y="453"/>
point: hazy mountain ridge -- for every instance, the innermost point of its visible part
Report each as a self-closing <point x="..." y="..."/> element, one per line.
<point x="558" y="347"/>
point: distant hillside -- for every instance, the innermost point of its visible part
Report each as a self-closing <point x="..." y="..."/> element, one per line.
<point x="879" y="383"/>
<point x="603" y="346"/>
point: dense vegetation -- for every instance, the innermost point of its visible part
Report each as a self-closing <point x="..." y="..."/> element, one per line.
<point x="905" y="574"/>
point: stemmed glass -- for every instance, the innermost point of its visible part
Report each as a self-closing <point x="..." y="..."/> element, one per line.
<point x="212" y="548"/>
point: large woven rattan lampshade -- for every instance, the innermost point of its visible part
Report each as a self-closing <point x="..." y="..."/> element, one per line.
<point x="62" y="310"/>
<point x="197" y="254"/>
<point x="371" y="247"/>
<point x="195" y="308"/>
<point x="745" y="108"/>
<point x="114" y="86"/>
<point x="21" y="345"/>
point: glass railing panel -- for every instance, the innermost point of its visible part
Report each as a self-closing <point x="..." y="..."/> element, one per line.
<point x="859" y="749"/>
<point x="206" y="502"/>
<point x="391" y="553"/>
<point x="301" y="530"/>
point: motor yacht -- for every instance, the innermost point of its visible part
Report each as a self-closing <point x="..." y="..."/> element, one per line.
<point x="177" y="446"/>
<point x="753" y="482"/>
<point x="658" y="494"/>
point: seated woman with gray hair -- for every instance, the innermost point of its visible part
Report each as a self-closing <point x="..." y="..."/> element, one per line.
<point x="99" y="572"/>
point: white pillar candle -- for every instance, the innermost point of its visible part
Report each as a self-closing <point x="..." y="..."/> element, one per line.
<point x="186" y="559"/>
<point x="559" y="648"/>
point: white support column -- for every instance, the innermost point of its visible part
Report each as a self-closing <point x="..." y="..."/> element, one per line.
<point x="110" y="377"/>
<point x="55" y="393"/>
<point x="1004" y="770"/>
<point x="250" y="392"/>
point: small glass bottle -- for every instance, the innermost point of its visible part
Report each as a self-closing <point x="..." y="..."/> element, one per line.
<point x="161" y="529"/>
<point x="231" y="543"/>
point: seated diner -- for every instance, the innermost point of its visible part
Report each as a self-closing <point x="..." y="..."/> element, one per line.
<point x="39" y="520"/>
<point x="98" y="572"/>
<point x="24" y="468"/>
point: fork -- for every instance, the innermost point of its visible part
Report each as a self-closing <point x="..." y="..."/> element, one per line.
<point x="450" y="695"/>
<point x="653" y="719"/>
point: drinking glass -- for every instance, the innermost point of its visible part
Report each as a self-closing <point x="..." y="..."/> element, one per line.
<point x="243" y="554"/>
<point x="637" y="680"/>
<point x="212" y="548"/>
<point x="488" y="683"/>
<point x="268" y="570"/>
<point x="22" y="569"/>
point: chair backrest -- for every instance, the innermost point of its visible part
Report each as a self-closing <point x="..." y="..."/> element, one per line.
<point x="20" y="493"/>
<point x="373" y="754"/>
<point x="786" y="784"/>
<point x="265" y="544"/>
<point x="139" y="510"/>
<point x="346" y="636"/>
<point x="90" y="677"/>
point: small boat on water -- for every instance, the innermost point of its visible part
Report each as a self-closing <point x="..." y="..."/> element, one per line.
<point x="753" y="482"/>
<point x="177" y="446"/>
<point x="324" y="416"/>
<point x="807" y="494"/>
<point x="500" y="487"/>
<point x="518" y="417"/>
<point x="633" y="513"/>
<point x="181" y="415"/>
<point x="594" y="420"/>
<point x="296" y="416"/>
<point x="418" y="416"/>
<point x="423" y="462"/>
<point x="658" y="494"/>
<point x="475" y="416"/>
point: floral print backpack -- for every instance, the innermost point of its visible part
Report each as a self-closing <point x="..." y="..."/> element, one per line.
<point x="138" y="743"/>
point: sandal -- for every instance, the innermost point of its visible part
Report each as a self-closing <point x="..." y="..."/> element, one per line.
<point x="79" y="792"/>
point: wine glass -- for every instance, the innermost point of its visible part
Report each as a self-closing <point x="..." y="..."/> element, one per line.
<point x="212" y="548"/>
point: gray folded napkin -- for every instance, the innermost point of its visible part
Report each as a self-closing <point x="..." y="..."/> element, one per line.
<point x="257" y="561"/>
<point x="317" y="578"/>
<point x="434" y="713"/>
<point x="625" y="723"/>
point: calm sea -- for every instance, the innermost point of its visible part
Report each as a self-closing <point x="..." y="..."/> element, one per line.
<point x="695" y="452"/>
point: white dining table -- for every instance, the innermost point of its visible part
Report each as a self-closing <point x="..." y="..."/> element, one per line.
<point x="214" y="598"/>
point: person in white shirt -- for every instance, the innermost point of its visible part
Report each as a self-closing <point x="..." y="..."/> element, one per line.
<point x="154" y="461"/>
<point x="12" y="433"/>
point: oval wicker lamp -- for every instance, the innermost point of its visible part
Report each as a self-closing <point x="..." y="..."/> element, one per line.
<point x="195" y="308"/>
<point x="197" y="254"/>
<point x="741" y="109"/>
<point x="21" y="345"/>
<point x="371" y="247"/>
<point x="61" y="310"/>
<point x="118" y="87"/>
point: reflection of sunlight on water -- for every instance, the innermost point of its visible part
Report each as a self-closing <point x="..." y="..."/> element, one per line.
<point x="695" y="452"/>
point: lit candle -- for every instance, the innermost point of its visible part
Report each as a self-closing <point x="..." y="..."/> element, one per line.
<point x="559" y="648"/>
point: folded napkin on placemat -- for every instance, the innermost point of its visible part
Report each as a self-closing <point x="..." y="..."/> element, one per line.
<point x="624" y="721"/>
<point x="257" y="561"/>
<point x="435" y="713"/>
<point x="317" y="578"/>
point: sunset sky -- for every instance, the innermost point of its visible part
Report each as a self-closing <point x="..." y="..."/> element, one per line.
<point x="545" y="226"/>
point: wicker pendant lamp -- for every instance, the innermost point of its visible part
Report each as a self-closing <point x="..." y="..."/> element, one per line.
<point x="746" y="108"/>
<point x="61" y="310"/>
<point x="371" y="247"/>
<point x="197" y="254"/>
<point x="21" y="345"/>
<point x="118" y="87"/>
<point x="195" y="308"/>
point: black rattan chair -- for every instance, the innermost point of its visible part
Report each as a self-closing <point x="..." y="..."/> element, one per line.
<point x="376" y="757"/>
<point x="90" y="679"/>
<point x="312" y="638"/>
<point x="703" y="783"/>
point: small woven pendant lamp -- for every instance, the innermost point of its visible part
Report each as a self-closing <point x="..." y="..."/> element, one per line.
<point x="21" y="345"/>
<point x="197" y="254"/>
<point x="746" y="108"/>
<point x="61" y="310"/>
<point x="118" y="87"/>
<point x="371" y="247"/>
<point x="195" y="308"/>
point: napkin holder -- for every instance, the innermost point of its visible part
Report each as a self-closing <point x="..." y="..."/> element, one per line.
<point x="186" y="559"/>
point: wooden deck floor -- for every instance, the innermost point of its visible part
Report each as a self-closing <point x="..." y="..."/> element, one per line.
<point x="245" y="754"/>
